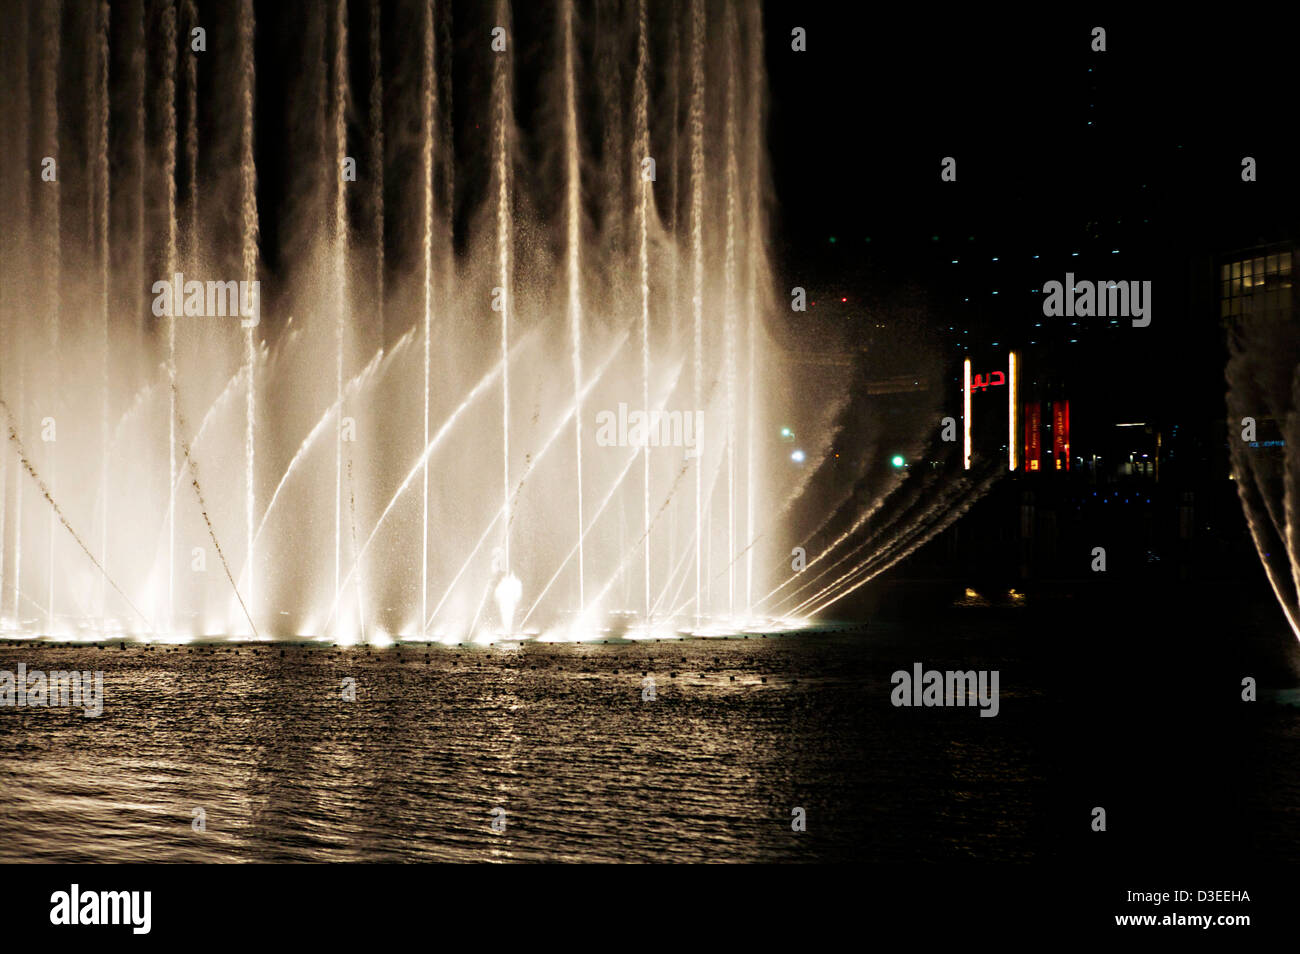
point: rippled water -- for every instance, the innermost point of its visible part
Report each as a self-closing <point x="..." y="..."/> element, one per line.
<point x="739" y="733"/>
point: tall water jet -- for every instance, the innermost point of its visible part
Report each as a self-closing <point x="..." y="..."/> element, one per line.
<point x="501" y="163"/>
<point x="429" y="100"/>
<point x="101" y="176"/>
<point x="697" y="271"/>
<point x="167" y="97"/>
<point x="12" y="292"/>
<point x="248" y="257"/>
<point x="340" y="263"/>
<point x="729" y="311"/>
<point x="753" y="251"/>
<point x="53" y="252"/>
<point x="642" y="217"/>
<point x="573" y="208"/>
<point x="671" y="226"/>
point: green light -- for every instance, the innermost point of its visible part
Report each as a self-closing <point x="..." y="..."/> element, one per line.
<point x="898" y="460"/>
<point x="832" y="239"/>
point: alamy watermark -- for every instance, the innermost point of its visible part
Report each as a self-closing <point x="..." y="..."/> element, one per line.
<point x="625" y="428"/>
<point x="133" y="908"/>
<point x="37" y="690"/>
<point x="195" y="299"/>
<point x="1085" y="299"/>
<point x="951" y="688"/>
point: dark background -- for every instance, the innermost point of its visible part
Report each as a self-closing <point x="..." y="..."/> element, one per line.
<point x="1059" y="149"/>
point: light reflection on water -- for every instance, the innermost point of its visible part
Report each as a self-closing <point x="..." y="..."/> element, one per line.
<point x="739" y="732"/>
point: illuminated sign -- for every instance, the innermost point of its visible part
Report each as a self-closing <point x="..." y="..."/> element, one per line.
<point x="978" y="383"/>
<point x="1061" y="434"/>
<point x="1033" y="438"/>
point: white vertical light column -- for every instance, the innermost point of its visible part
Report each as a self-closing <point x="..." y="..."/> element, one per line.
<point x="1012" y="403"/>
<point x="965" y="413"/>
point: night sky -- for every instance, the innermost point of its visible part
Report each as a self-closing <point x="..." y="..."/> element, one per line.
<point x="860" y="121"/>
<point x="1059" y="150"/>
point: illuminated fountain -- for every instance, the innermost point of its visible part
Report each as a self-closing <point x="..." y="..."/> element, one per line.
<point x="1263" y="377"/>
<point x="395" y="432"/>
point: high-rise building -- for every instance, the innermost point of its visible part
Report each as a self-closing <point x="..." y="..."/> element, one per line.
<point x="1256" y="282"/>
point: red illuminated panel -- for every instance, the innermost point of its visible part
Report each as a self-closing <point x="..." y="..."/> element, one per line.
<point x="1033" y="436"/>
<point x="1061" y="434"/>
<point x="1067" y="435"/>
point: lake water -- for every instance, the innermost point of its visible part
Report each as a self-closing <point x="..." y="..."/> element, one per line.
<point x="563" y="737"/>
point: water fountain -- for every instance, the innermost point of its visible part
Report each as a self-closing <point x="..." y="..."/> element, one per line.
<point x="1263" y="376"/>
<point x="400" y="442"/>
